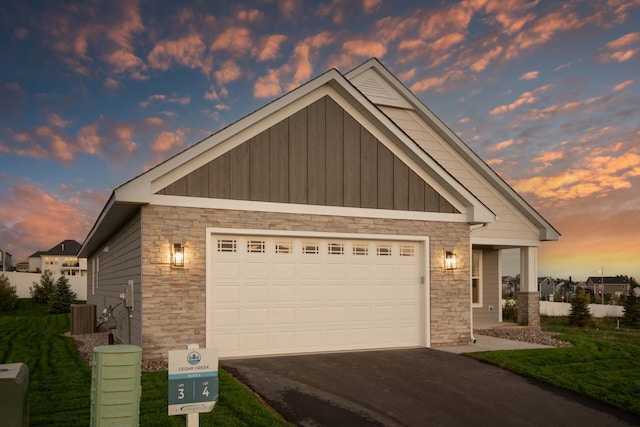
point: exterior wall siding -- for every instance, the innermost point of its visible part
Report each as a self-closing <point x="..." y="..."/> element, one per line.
<point x="117" y="262"/>
<point x="511" y="224"/>
<point x="491" y="285"/>
<point x="174" y="299"/>
<point x="319" y="156"/>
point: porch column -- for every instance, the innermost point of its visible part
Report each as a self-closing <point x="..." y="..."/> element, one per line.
<point x="529" y="297"/>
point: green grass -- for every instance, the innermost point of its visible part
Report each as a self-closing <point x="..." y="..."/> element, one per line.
<point x="604" y="363"/>
<point x="60" y="380"/>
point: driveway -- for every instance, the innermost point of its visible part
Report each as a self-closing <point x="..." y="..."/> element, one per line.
<point x="412" y="387"/>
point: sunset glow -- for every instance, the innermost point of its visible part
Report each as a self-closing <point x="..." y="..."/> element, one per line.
<point x="547" y="93"/>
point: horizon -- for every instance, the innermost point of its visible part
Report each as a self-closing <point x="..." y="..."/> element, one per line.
<point x="92" y="95"/>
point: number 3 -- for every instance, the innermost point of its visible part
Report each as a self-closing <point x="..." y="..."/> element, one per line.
<point x="180" y="393"/>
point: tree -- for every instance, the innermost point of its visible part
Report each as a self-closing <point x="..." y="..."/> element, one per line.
<point x="580" y="315"/>
<point x="8" y="294"/>
<point x="61" y="297"/>
<point x="41" y="292"/>
<point x="631" y="309"/>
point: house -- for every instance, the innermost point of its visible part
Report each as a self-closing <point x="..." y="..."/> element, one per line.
<point x="613" y="286"/>
<point x="5" y="261"/>
<point x="62" y="259"/>
<point x="343" y="215"/>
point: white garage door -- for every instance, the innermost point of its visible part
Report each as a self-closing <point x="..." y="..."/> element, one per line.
<point x="277" y="295"/>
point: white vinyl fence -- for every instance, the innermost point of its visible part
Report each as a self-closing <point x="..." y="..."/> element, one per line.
<point x="24" y="281"/>
<point x="548" y="308"/>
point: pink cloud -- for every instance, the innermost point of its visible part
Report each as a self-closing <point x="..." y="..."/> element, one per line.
<point x="501" y="145"/>
<point x="27" y="230"/>
<point x="167" y="141"/>
<point x="249" y="16"/>
<point x="531" y="75"/>
<point x="524" y="99"/>
<point x="188" y="51"/>
<point x="290" y="8"/>
<point x="123" y="61"/>
<point x="444" y="20"/>
<point x="229" y="72"/>
<point x="334" y="8"/>
<point x="364" y="48"/>
<point x="233" y="39"/>
<point x="370" y="6"/>
<point x="269" y="47"/>
<point x="622" y="86"/>
<point x="268" y="85"/>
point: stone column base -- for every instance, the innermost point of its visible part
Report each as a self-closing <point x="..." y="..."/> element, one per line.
<point x="529" y="309"/>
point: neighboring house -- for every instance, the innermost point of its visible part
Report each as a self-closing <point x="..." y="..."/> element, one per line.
<point x="610" y="285"/>
<point x="343" y="215"/>
<point x="62" y="259"/>
<point x="547" y="287"/>
<point x="5" y="261"/>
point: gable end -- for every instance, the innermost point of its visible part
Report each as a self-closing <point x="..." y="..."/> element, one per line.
<point x="320" y="155"/>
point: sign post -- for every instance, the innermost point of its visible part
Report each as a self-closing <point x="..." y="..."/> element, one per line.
<point x="193" y="382"/>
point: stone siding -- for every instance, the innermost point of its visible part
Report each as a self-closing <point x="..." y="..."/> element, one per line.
<point x="529" y="309"/>
<point x="174" y="299"/>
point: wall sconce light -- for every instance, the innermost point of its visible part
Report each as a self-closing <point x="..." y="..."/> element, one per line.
<point x="450" y="261"/>
<point x="177" y="257"/>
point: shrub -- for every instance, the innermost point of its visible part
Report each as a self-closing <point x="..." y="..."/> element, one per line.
<point x="632" y="309"/>
<point x="41" y="292"/>
<point x="510" y="311"/>
<point x="8" y="294"/>
<point x="61" y="297"/>
<point x="580" y="315"/>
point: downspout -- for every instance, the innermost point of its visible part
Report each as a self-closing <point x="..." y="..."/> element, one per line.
<point x="473" y="229"/>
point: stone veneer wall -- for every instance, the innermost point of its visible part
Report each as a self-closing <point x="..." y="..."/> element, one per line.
<point x="529" y="309"/>
<point x="173" y="299"/>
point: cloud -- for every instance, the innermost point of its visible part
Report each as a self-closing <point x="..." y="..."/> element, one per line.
<point x="234" y="39"/>
<point x="501" y="145"/>
<point x="623" y="85"/>
<point x="228" y="72"/>
<point x="334" y="8"/>
<point x="250" y="15"/>
<point x="370" y="6"/>
<point x="269" y="47"/>
<point x="163" y="98"/>
<point x="531" y="75"/>
<point x="364" y="48"/>
<point x="167" y="141"/>
<point x="296" y="71"/>
<point x="188" y="51"/>
<point x="80" y="36"/>
<point x="524" y="99"/>
<point x="24" y="228"/>
<point x="621" y="49"/>
<point x="600" y="172"/>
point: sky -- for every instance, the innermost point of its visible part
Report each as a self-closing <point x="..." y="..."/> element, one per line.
<point x="93" y="93"/>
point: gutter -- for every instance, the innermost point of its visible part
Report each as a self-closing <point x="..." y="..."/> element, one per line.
<point x="473" y="229"/>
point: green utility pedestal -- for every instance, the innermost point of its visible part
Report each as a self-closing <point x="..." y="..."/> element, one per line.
<point x="14" y="385"/>
<point x="115" y="385"/>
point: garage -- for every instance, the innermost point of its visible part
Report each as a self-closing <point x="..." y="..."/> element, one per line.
<point x="284" y="294"/>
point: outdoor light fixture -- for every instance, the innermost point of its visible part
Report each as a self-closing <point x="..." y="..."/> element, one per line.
<point x="450" y="261"/>
<point x="178" y="255"/>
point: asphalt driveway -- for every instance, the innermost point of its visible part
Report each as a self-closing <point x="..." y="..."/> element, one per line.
<point x="412" y="387"/>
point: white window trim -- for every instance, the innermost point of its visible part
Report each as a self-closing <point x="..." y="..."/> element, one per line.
<point x="479" y="277"/>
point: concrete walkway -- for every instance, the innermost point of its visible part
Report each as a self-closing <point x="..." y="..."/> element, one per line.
<point x="485" y="343"/>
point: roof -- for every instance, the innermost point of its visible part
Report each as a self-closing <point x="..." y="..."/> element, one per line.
<point x="64" y="248"/>
<point x="608" y="280"/>
<point x="128" y="198"/>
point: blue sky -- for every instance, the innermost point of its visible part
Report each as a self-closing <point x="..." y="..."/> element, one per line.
<point x="93" y="93"/>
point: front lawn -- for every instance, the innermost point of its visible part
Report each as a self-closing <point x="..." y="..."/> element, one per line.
<point x="60" y="380"/>
<point x="604" y="363"/>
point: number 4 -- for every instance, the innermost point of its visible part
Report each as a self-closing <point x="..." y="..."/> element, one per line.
<point x="205" y="392"/>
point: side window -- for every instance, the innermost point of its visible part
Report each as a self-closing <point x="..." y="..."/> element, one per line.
<point x="476" y="277"/>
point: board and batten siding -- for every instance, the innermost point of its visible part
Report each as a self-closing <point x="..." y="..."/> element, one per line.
<point x="319" y="155"/>
<point x="510" y="224"/>
<point x="117" y="262"/>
